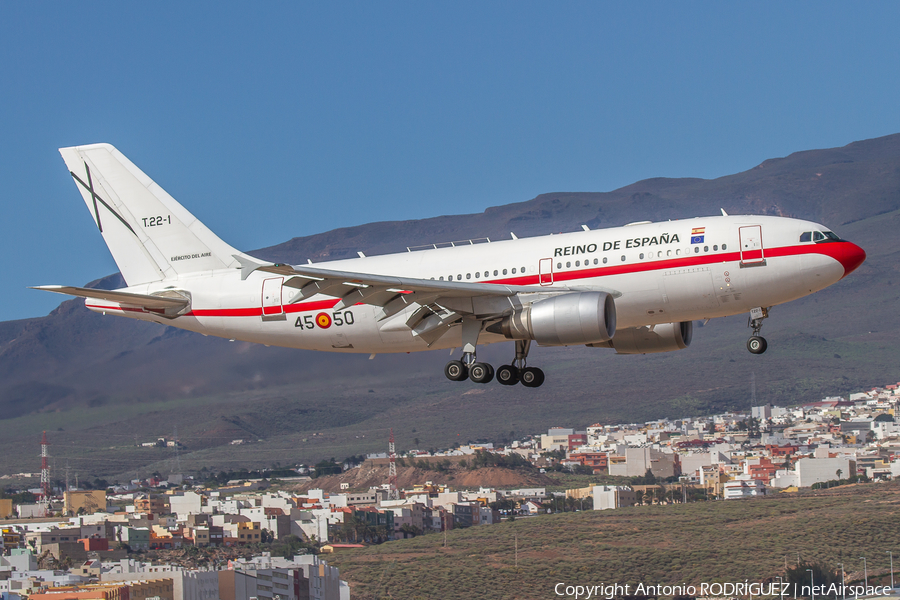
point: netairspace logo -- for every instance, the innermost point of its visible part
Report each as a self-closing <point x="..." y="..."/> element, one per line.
<point x="741" y="589"/>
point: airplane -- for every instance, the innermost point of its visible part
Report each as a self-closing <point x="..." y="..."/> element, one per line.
<point x="635" y="289"/>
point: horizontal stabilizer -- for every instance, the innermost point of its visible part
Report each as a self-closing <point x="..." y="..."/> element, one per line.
<point x="172" y="304"/>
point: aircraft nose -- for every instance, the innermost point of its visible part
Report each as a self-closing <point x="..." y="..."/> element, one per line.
<point x="850" y="256"/>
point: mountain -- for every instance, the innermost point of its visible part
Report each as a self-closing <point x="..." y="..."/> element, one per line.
<point x="100" y="384"/>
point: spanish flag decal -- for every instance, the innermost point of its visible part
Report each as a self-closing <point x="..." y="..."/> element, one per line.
<point x="323" y="320"/>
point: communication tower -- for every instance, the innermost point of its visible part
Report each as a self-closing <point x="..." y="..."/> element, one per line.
<point x="392" y="473"/>
<point x="45" y="476"/>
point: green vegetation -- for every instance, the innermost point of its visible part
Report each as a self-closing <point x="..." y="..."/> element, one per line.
<point x="483" y="459"/>
<point x="223" y="477"/>
<point x="19" y="497"/>
<point x="724" y="541"/>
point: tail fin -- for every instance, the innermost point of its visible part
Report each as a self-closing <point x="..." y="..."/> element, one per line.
<point x="150" y="235"/>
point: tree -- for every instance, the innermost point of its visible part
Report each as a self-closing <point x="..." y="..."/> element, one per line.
<point x="821" y="575"/>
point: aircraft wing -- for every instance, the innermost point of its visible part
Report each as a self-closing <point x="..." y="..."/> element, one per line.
<point x="172" y="304"/>
<point x="438" y="304"/>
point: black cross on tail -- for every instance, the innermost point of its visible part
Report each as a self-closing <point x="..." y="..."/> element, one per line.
<point x="89" y="186"/>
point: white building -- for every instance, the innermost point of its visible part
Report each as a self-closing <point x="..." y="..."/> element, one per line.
<point x="746" y="488"/>
<point x="607" y="497"/>
<point x="186" y="584"/>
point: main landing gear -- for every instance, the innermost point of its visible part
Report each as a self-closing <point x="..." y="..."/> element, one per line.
<point x="757" y="343"/>
<point x="518" y="372"/>
<point x="479" y="372"/>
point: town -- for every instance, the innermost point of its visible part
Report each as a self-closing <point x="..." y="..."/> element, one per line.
<point x="268" y="536"/>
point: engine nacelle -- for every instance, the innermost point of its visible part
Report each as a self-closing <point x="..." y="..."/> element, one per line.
<point x="664" y="337"/>
<point x="568" y="319"/>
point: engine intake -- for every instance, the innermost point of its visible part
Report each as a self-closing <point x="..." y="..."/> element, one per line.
<point x="568" y="319"/>
<point x="664" y="337"/>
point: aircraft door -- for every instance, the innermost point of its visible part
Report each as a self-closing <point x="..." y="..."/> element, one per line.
<point x="751" y="245"/>
<point x="272" y="309"/>
<point x="545" y="269"/>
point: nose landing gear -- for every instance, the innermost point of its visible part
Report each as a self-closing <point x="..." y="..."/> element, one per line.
<point x="757" y="344"/>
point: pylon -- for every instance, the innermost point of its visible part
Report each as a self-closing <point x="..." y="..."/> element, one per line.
<point x="392" y="473"/>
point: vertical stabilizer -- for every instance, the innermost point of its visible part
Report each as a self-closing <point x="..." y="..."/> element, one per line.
<point x="150" y="235"/>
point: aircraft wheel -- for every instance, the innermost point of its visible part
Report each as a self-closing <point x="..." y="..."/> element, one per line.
<point x="455" y="370"/>
<point x="508" y="375"/>
<point x="532" y="377"/>
<point x="481" y="372"/>
<point x="757" y="344"/>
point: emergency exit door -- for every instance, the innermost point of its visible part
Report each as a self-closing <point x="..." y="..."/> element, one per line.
<point x="545" y="269"/>
<point x="272" y="309"/>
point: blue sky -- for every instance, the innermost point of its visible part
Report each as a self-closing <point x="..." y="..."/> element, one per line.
<point x="275" y="120"/>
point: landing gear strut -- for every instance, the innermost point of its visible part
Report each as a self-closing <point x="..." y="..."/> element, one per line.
<point x="469" y="367"/>
<point x="757" y="344"/>
<point x="479" y="372"/>
<point x="518" y="372"/>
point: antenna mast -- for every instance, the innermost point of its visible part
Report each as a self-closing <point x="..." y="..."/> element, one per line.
<point x="45" y="476"/>
<point x="392" y="473"/>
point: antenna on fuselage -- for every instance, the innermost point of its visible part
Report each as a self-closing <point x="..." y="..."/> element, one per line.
<point x="724" y="214"/>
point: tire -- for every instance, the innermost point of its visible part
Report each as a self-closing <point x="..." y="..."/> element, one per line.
<point x="757" y="344"/>
<point x="481" y="373"/>
<point x="455" y="370"/>
<point x="508" y="375"/>
<point x="532" y="377"/>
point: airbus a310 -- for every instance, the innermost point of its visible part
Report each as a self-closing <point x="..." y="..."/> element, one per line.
<point x="635" y="289"/>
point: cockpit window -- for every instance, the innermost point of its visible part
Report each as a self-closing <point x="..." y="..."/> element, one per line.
<point x="819" y="236"/>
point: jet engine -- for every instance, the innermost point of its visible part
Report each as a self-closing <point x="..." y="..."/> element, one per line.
<point x="664" y="337"/>
<point x="568" y="319"/>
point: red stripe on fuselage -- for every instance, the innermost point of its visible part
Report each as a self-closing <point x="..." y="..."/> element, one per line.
<point x="839" y="251"/>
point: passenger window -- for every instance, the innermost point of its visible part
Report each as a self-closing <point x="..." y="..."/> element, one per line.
<point x="715" y="248"/>
<point x="696" y="249"/>
<point x="559" y="265"/>
<point x="468" y="276"/>
<point x="495" y="272"/>
<point x="706" y="248"/>
<point x="504" y="271"/>
<point x="604" y="260"/>
<point x="642" y="256"/>
<point x="514" y="271"/>
<point x="577" y="263"/>
<point x="806" y="236"/>
<point x="623" y="258"/>
<point x="459" y="277"/>
<point x="596" y="261"/>
<point x="568" y="265"/>
<point x="724" y="247"/>
<point x="522" y="269"/>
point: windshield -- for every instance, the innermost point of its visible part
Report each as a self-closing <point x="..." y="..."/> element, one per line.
<point x="819" y="236"/>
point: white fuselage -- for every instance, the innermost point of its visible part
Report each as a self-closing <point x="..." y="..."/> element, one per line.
<point x="664" y="272"/>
